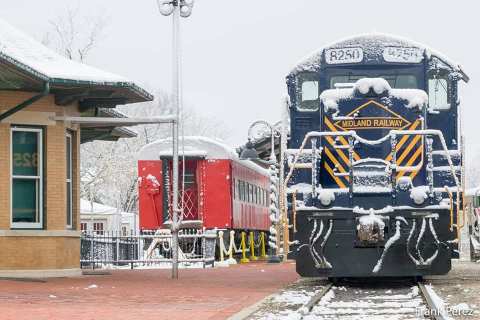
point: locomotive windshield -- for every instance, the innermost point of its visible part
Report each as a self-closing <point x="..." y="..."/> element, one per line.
<point x="399" y="81"/>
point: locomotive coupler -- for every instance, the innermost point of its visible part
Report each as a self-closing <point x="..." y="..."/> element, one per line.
<point x="370" y="230"/>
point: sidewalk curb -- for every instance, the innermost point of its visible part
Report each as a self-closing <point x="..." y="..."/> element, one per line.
<point x="248" y="311"/>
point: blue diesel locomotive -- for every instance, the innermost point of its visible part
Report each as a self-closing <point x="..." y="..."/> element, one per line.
<point x="375" y="159"/>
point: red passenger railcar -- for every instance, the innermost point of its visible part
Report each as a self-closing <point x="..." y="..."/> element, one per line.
<point x="218" y="190"/>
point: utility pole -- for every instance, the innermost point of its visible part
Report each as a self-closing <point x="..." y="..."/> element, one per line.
<point x="177" y="9"/>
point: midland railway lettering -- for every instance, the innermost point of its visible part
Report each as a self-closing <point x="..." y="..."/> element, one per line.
<point x="368" y="123"/>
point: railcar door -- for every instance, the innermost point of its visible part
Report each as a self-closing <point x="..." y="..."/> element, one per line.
<point x="187" y="189"/>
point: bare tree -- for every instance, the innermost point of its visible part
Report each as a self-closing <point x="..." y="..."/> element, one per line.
<point x="74" y="34"/>
<point x="108" y="170"/>
<point x="111" y="167"/>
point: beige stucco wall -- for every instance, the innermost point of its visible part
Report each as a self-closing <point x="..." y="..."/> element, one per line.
<point x="55" y="247"/>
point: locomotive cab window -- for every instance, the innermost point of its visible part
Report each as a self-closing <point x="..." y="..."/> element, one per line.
<point x="308" y="89"/>
<point x="438" y="90"/>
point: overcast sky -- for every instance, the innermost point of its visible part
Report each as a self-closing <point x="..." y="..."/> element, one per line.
<point x="236" y="53"/>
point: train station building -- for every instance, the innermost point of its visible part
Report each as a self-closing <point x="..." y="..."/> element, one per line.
<point x="49" y="105"/>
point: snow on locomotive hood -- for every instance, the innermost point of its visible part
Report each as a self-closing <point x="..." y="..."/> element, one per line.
<point x="195" y="146"/>
<point x="375" y="47"/>
<point x="414" y="98"/>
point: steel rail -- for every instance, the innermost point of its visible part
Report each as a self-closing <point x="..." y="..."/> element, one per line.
<point x="307" y="308"/>
<point x="437" y="312"/>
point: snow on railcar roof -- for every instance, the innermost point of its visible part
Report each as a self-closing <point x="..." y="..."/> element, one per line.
<point x="195" y="146"/>
<point x="373" y="45"/>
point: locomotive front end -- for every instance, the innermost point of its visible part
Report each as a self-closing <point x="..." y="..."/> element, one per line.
<point x="375" y="161"/>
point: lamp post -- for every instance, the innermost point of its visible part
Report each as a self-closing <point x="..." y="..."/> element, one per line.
<point x="249" y="153"/>
<point x="177" y="9"/>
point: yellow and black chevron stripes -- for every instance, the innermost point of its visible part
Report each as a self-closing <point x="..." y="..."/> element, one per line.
<point x="404" y="139"/>
<point x="412" y="160"/>
<point x="409" y="150"/>
<point x="343" y="141"/>
<point x="337" y="158"/>
<point x="338" y="180"/>
<point x="407" y="156"/>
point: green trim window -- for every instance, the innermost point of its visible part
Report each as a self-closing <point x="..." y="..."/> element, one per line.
<point x="69" y="180"/>
<point x="27" y="178"/>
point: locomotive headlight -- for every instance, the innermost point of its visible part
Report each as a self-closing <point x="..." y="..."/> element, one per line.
<point x="419" y="194"/>
<point x="326" y="197"/>
<point x="404" y="183"/>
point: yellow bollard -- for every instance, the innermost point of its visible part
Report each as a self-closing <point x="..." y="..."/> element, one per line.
<point x="244" y="250"/>
<point x="222" y="245"/>
<point x="252" y="247"/>
<point x="263" y="252"/>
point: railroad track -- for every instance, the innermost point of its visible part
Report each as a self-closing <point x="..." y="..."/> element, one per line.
<point x="371" y="301"/>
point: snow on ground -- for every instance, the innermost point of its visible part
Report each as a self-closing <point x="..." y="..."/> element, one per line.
<point x="356" y="302"/>
<point x="154" y="265"/>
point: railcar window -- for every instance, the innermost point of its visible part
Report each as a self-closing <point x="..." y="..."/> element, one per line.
<point x="235" y="192"/>
<point x="438" y="88"/>
<point x="242" y="191"/>
<point x="400" y="81"/>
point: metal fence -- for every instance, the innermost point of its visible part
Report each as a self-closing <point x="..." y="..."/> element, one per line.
<point x="151" y="249"/>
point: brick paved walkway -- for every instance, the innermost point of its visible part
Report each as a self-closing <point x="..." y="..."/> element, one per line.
<point x="145" y="294"/>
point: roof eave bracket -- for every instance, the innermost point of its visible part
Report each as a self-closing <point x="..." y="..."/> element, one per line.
<point x="26" y="103"/>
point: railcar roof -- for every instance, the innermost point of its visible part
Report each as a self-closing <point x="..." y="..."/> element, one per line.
<point x="197" y="147"/>
<point x="372" y="45"/>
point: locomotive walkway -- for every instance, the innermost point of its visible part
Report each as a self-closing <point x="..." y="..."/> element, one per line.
<point x="145" y="294"/>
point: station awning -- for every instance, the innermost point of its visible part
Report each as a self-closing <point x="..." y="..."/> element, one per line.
<point x="102" y="122"/>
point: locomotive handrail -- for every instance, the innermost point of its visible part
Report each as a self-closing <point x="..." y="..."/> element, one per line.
<point x="353" y="134"/>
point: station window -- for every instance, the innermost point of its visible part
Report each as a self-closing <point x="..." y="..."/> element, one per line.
<point x="308" y="89"/>
<point x="27" y="178"/>
<point x="69" y="180"/>
<point x="438" y="89"/>
<point x="83" y="226"/>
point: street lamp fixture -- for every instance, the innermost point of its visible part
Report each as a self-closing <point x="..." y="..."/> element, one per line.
<point x="250" y="153"/>
<point x="177" y="9"/>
